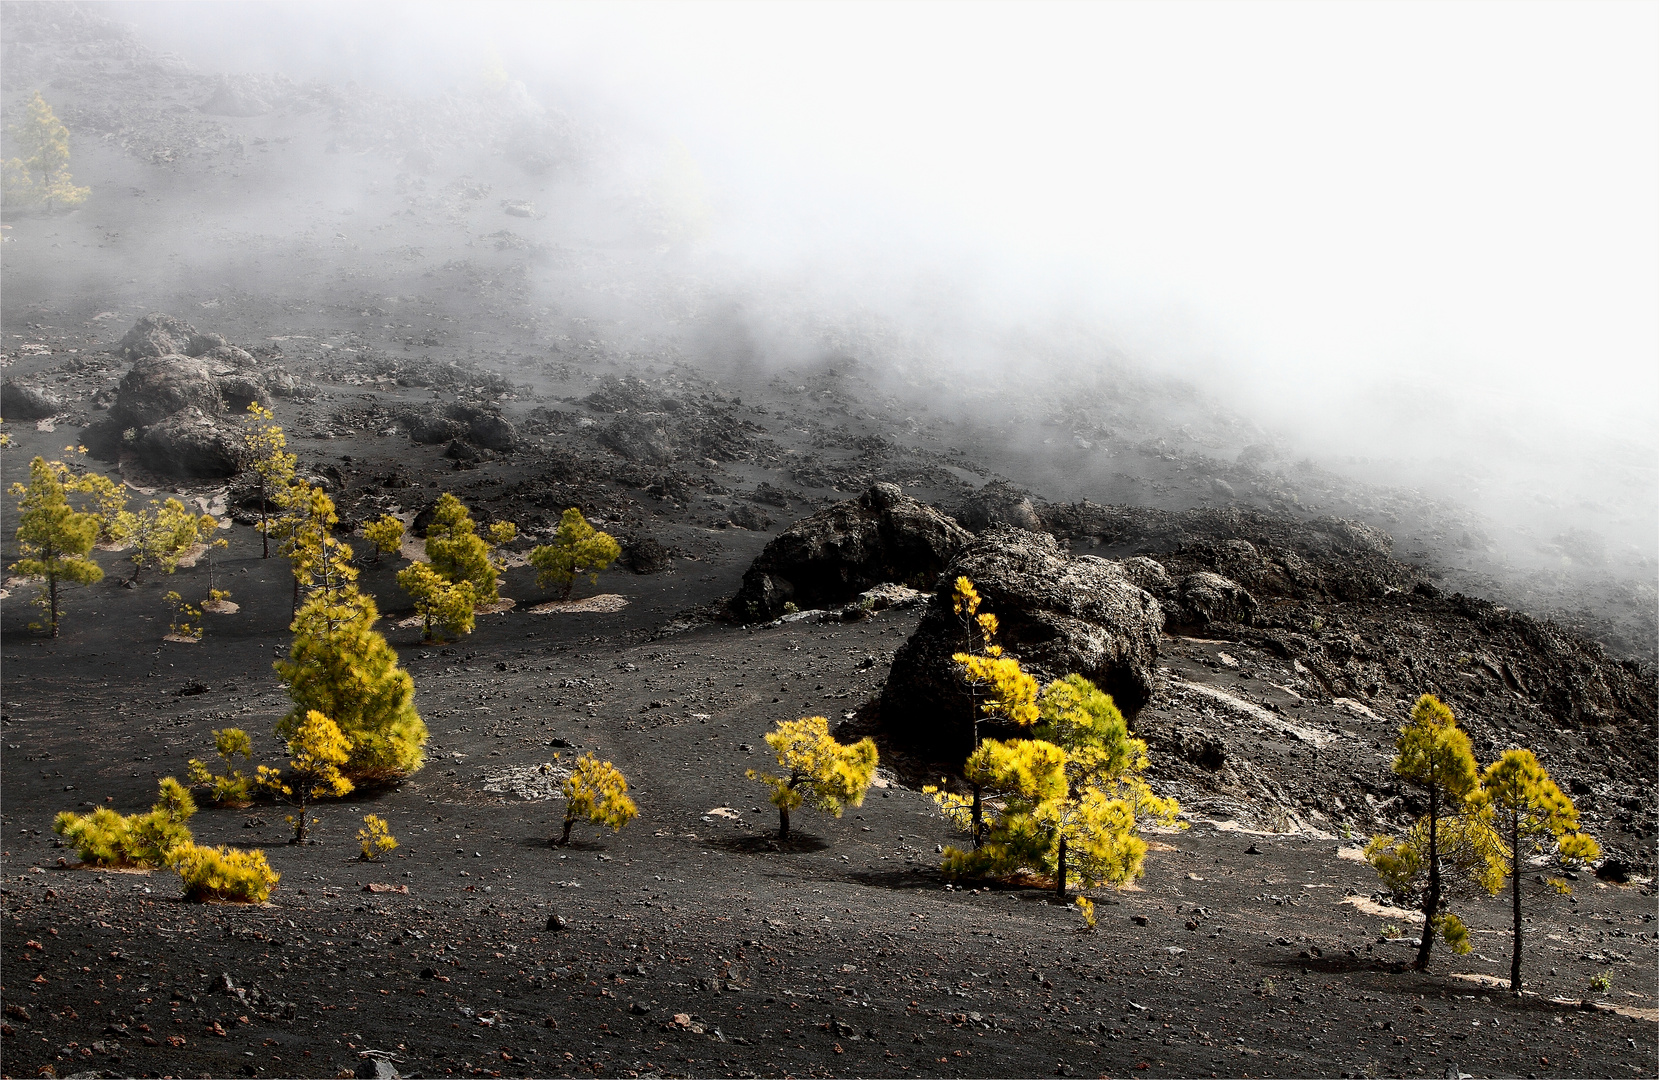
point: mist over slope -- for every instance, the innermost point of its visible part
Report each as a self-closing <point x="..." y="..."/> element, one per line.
<point x="401" y="178"/>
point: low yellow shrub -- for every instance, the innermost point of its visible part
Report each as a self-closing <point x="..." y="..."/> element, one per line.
<point x="224" y="873"/>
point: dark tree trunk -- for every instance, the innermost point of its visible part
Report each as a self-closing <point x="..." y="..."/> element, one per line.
<point x="565" y="838"/>
<point x="978" y="816"/>
<point x="1060" y="873"/>
<point x="52" y="587"/>
<point x="783" y="823"/>
<point x="1515" y="906"/>
<point x="1431" y="902"/>
<point x="300" y="822"/>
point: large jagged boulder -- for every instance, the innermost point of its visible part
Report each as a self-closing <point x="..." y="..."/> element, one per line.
<point x="1210" y="598"/>
<point x="158" y="386"/>
<point x="1060" y="615"/>
<point x="827" y="559"/>
<point x="25" y="401"/>
<point x="644" y="438"/>
<point x="998" y="503"/>
<point x="444" y="423"/>
<point x="191" y="444"/>
<point x="157" y="334"/>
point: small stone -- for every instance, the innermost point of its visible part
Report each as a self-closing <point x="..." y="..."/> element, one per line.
<point x="557" y="924"/>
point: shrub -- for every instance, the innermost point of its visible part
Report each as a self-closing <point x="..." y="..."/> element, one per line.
<point x="225" y="874"/>
<point x="458" y="553"/>
<point x="441" y="604"/>
<point x="817" y="768"/>
<point x="106" y="838"/>
<point x="1085" y="907"/>
<point x="385" y="534"/>
<point x="162" y="533"/>
<point x="236" y="786"/>
<point x="596" y="791"/>
<point x="182" y="612"/>
<point x="375" y="837"/>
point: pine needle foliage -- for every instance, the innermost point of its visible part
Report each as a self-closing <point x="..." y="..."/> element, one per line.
<point x="271" y="466"/>
<point x="456" y="551"/>
<point x="107" y="838"/>
<point x="54" y="538"/>
<point x="316" y="751"/>
<point x="385" y="535"/>
<point x="1530" y="816"/>
<point x="442" y="605"/>
<point x="375" y="837"/>
<point x="162" y="533"/>
<point x="234" y="787"/>
<point x="1434" y="755"/>
<point x="577" y="548"/>
<point x="816" y="769"/>
<point x="225" y="875"/>
<point x="40" y="178"/>
<point x="597" y="792"/>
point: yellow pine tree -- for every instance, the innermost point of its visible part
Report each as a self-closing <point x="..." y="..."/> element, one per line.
<point x="1434" y="755"/>
<point x="54" y="538"/>
<point x="385" y="534"/>
<point x="375" y="837"/>
<point x="1530" y="815"/>
<point x="577" y="548"/>
<point x="235" y="786"/>
<point x="271" y="465"/>
<point x="107" y="838"/>
<point x="596" y="791"/>
<point x="161" y="534"/>
<point x="316" y="751"/>
<point x="458" y="553"/>
<point x="816" y="769"/>
<point x="41" y="177"/>
<point x="441" y="604"/>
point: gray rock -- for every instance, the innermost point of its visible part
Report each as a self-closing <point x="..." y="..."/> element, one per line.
<point x="483" y="427"/>
<point x="1211" y="598"/>
<point x="239" y="391"/>
<point x="642" y="438"/>
<point x="230" y="98"/>
<point x="998" y="503"/>
<point x="156" y="334"/>
<point x="201" y="343"/>
<point x="1149" y="574"/>
<point x="229" y="357"/>
<point x="22" y="401"/>
<point x="190" y="444"/>
<point x="376" y="1068"/>
<point x="1059" y="615"/>
<point x="159" y="386"/>
<point x="829" y="558"/>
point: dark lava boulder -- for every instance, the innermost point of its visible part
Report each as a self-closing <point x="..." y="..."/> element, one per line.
<point x="645" y="555"/>
<point x="1058" y="614"/>
<point x="190" y="444"/>
<point x="642" y="438"/>
<point x="156" y="334"/>
<point x="481" y="426"/>
<point x="239" y="390"/>
<point x="1150" y="574"/>
<point x="1211" y="598"/>
<point x="827" y="559"/>
<point x="21" y="401"/>
<point x="226" y="356"/>
<point x="998" y="503"/>
<point x="159" y="386"/>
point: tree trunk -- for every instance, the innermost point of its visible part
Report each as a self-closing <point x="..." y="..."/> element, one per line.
<point x="783" y="823"/>
<point x="1431" y="903"/>
<point x="264" y="525"/>
<point x="565" y="838"/>
<point x="300" y="822"/>
<point x="52" y="587"/>
<point x="1515" y="905"/>
<point x="978" y="816"/>
<point x="1060" y="873"/>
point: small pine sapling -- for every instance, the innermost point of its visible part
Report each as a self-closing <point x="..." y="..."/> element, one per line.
<point x="816" y="769"/>
<point x="315" y="753"/>
<point x="224" y="874"/>
<point x="441" y="604"/>
<point x="375" y="837"/>
<point x="1434" y="755"/>
<point x="271" y="466"/>
<point x="106" y="838"/>
<point x="577" y="548"/>
<point x="1530" y="815"/>
<point x="235" y="787"/>
<point x="54" y="539"/>
<point x="162" y="533"/>
<point x="179" y="626"/>
<point x="1085" y="907"/>
<point x="596" y="791"/>
<point x="385" y="535"/>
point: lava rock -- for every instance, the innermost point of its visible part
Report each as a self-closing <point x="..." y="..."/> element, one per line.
<point x="1149" y="574"/>
<point x="645" y="556"/>
<point x="829" y="558"/>
<point x="1614" y="870"/>
<point x="21" y="401"/>
<point x="999" y="503"/>
<point x="158" y="386"/>
<point x="1059" y="615"/>
<point x="201" y="343"/>
<point x="1208" y="598"/>
<point x="644" y="439"/>
<point x="190" y="444"/>
<point x="375" y="1068"/>
<point x="225" y="356"/>
<point x="238" y="391"/>
<point x="230" y="98"/>
<point x="156" y="334"/>
<point x="483" y="427"/>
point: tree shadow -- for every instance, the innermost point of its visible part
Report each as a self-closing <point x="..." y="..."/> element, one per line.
<point x="909" y="877"/>
<point x="767" y="843"/>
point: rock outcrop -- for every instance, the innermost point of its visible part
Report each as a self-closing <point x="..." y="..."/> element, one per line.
<point x="191" y="444"/>
<point x="827" y="559"/>
<point x="23" y="401"/>
<point x="159" y="386"/>
<point x="1210" y="598"/>
<point x="157" y="334"/>
<point x="998" y="503"/>
<point x="483" y="427"/>
<point x="1058" y="614"/>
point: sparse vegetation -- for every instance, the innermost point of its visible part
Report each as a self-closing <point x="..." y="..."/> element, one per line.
<point x="107" y="838"/>
<point x="271" y="466"/>
<point x="577" y="548"/>
<point x="457" y="553"/>
<point x="181" y="612"/>
<point x="235" y="787"/>
<point x="162" y="534"/>
<point x="385" y="535"/>
<point x="1085" y="908"/>
<point x="224" y="874"/>
<point x="316" y="751"/>
<point x="596" y="791"/>
<point x="441" y="604"/>
<point x="375" y="837"/>
<point x="54" y="538"/>
<point x="41" y="177"/>
<point x="816" y="769"/>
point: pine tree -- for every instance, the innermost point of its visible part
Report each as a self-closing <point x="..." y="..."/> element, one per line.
<point x="1530" y="814"/>
<point x="271" y="463"/>
<point x="1010" y="694"/>
<point x="386" y="534"/>
<point x="41" y="178"/>
<point x="55" y="539"/>
<point x="816" y="768"/>
<point x="439" y="603"/>
<point x="162" y="533"/>
<point x="577" y="548"/>
<point x="316" y="750"/>
<point x="1435" y="755"/>
<point x="458" y="553"/>
<point x="596" y="791"/>
<point x="375" y="838"/>
<point x="233" y="788"/>
<point x="106" y="838"/>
